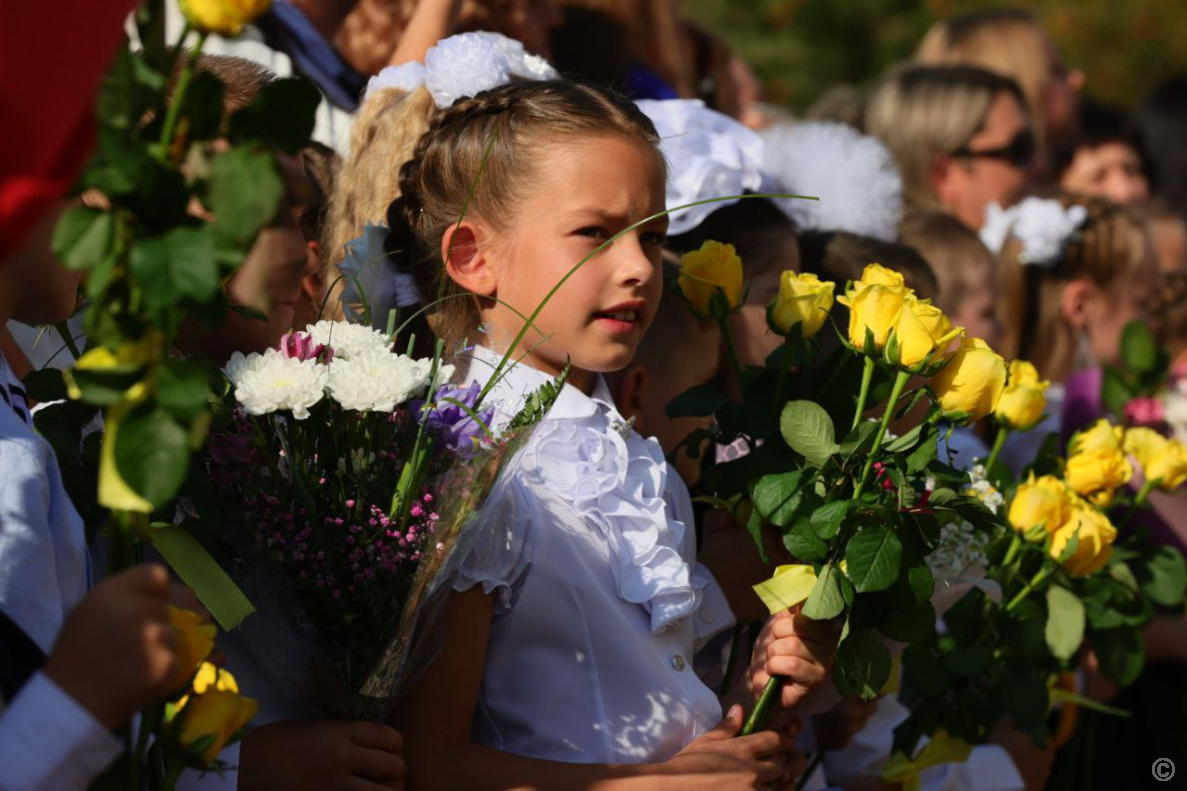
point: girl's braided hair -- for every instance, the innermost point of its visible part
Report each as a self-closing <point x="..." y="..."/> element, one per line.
<point x="475" y="160"/>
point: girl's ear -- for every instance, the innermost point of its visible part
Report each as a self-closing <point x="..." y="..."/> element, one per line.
<point x="1074" y="303"/>
<point x="939" y="177"/>
<point x="465" y="249"/>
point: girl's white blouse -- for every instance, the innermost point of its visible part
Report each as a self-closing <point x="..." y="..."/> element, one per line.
<point x="588" y="542"/>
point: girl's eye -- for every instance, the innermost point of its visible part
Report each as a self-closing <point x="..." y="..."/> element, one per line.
<point x="594" y="232"/>
<point x="656" y="239"/>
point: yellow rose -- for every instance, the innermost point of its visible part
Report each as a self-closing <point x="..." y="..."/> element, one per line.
<point x="922" y="331"/>
<point x="1097" y="474"/>
<point x="802" y="299"/>
<point x="874" y="308"/>
<point x="1144" y="444"/>
<point x="195" y="641"/>
<point x="225" y="17"/>
<point x="1025" y="398"/>
<point x="215" y="709"/>
<point x="972" y="381"/>
<point x="1169" y="467"/>
<point x="878" y="275"/>
<point x="714" y="269"/>
<point x="1043" y="503"/>
<point x="1096" y="534"/>
<point x="1103" y="435"/>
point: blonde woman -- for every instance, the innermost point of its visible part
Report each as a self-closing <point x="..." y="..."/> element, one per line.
<point x="1011" y="42"/>
<point x="961" y="136"/>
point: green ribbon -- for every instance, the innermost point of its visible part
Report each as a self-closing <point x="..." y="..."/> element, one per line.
<point x="217" y="592"/>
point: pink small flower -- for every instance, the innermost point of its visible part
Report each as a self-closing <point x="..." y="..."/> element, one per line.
<point x="1143" y="411"/>
<point x="300" y="345"/>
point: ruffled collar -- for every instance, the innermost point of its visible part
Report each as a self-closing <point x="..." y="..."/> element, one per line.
<point x="617" y="482"/>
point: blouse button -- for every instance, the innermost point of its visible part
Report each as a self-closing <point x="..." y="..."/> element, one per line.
<point x="678" y="662"/>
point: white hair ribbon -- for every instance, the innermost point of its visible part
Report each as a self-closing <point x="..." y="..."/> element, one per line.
<point x="1042" y="225"/>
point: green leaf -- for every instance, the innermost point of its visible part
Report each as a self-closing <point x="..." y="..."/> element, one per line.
<point x="204" y="106"/>
<point x="826" y="520"/>
<point x="873" y="557"/>
<point x="925" y="454"/>
<point x="862" y="665"/>
<point x="1138" y="347"/>
<point x="1065" y="622"/>
<point x="968" y="662"/>
<point x="754" y="526"/>
<point x="245" y="192"/>
<point x="1121" y="653"/>
<point x="1115" y="392"/>
<point x="921" y="582"/>
<point x="808" y="430"/>
<point x="803" y="543"/>
<point x="910" y="626"/>
<point x="906" y="441"/>
<point x="1024" y="693"/>
<point x="183" y="387"/>
<point x="860" y="440"/>
<point x="282" y="116"/>
<point x="826" y="600"/>
<point x="83" y="237"/>
<point x="179" y="264"/>
<point x="152" y="453"/>
<point x="106" y="386"/>
<point x="45" y="384"/>
<point x="699" y="401"/>
<point x="1163" y="577"/>
<point x="923" y="670"/>
<point x="777" y="497"/>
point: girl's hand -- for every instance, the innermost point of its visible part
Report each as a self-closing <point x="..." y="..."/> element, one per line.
<point x="836" y="728"/>
<point x="322" y="754"/>
<point x="723" y="760"/>
<point x="800" y="650"/>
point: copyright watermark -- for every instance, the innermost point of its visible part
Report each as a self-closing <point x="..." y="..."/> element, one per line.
<point x="1163" y="770"/>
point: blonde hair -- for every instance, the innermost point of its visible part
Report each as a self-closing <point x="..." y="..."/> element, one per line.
<point x="1110" y="245"/>
<point x="1006" y="41"/>
<point x="922" y="112"/>
<point x="475" y="159"/>
<point x="950" y="248"/>
<point x="385" y="132"/>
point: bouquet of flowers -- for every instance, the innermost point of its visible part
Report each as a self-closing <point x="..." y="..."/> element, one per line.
<point x="348" y="476"/>
<point x="859" y="511"/>
<point x="1147" y="391"/>
<point x="1067" y="581"/>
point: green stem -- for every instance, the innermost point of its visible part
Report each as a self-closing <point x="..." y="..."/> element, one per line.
<point x="1139" y="501"/>
<point x="1012" y="552"/>
<point x="900" y="383"/>
<point x="183" y="84"/>
<point x="999" y="442"/>
<point x="64" y="330"/>
<point x="784" y="372"/>
<point x="867" y="376"/>
<point x="762" y="709"/>
<point x="724" y="323"/>
<point x="1041" y="576"/>
<point x="735" y="647"/>
<point x="817" y="757"/>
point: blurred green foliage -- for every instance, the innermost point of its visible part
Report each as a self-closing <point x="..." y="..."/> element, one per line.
<point x="801" y="48"/>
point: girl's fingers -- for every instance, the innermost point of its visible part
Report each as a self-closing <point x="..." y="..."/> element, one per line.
<point x="377" y="765"/>
<point x="376" y="736"/>
<point x="763" y="743"/>
<point x="363" y="784"/>
<point x="800" y="671"/>
<point x="769" y="770"/>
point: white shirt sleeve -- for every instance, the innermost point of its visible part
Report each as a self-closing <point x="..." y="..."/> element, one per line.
<point x="713" y="616"/>
<point x="49" y="741"/>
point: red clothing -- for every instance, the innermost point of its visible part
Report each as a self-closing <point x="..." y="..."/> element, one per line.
<point x="52" y="58"/>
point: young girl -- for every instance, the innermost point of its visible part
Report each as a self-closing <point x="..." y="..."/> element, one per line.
<point x="567" y="643"/>
<point x="1072" y="273"/>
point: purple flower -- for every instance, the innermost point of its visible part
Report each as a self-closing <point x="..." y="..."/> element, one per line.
<point x="453" y="426"/>
<point x="232" y="458"/>
<point x="300" y="345"/>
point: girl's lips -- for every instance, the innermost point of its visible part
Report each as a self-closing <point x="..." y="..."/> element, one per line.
<point x="617" y="326"/>
<point x="624" y="318"/>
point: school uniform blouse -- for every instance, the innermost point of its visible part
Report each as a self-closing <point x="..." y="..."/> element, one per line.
<point x="588" y="544"/>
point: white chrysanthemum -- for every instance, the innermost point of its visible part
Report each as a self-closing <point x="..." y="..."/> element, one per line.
<point x="378" y="381"/>
<point x="1175" y="410"/>
<point x="270" y="382"/>
<point x="464" y="65"/>
<point x="959" y="555"/>
<point x="854" y="175"/>
<point x="348" y="340"/>
<point x="983" y="490"/>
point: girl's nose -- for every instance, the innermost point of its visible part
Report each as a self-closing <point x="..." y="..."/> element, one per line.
<point x="635" y="267"/>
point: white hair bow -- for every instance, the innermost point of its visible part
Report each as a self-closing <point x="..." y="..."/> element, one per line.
<point x="1042" y="225"/>
<point x="464" y="65"/>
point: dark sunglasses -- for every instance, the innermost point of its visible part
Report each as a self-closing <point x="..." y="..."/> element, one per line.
<point x="1019" y="152"/>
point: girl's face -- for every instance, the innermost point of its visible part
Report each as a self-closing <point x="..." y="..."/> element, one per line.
<point x="1108" y="311"/>
<point x="585" y="191"/>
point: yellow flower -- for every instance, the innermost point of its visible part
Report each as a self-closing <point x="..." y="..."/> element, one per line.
<point x="972" y="381"/>
<point x="1103" y="435"/>
<point x="1144" y="444"/>
<point x="1025" y="398"/>
<point x="802" y="299"/>
<point x="215" y="709"/>
<point x="1096" y="534"/>
<point x="195" y="641"/>
<point x="1044" y="503"/>
<point x="1169" y="467"/>
<point x="878" y="275"/>
<point x="714" y="269"/>
<point x="923" y="331"/>
<point x="226" y="17"/>
<point x="1097" y="474"/>
<point x="876" y="309"/>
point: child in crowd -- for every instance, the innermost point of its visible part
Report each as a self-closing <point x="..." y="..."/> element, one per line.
<point x="1105" y="158"/>
<point x="574" y="619"/>
<point x="1168" y="234"/>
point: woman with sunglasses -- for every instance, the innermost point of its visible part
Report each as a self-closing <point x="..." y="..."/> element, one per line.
<point x="962" y="138"/>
